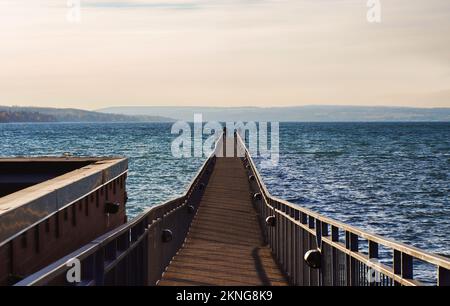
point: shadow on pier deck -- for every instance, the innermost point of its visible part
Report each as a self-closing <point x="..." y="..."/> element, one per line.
<point x="224" y="245"/>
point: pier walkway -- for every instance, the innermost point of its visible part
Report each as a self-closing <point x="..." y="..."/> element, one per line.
<point x="224" y="245"/>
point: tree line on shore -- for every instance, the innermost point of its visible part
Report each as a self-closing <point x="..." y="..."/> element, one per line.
<point x="48" y="114"/>
<point x="21" y="116"/>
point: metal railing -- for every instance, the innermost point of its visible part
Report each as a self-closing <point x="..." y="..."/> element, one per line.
<point x="137" y="252"/>
<point x="338" y="254"/>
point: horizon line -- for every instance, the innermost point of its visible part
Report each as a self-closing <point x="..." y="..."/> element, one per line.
<point x="232" y="107"/>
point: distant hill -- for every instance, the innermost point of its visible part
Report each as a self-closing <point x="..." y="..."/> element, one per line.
<point x="44" y="114"/>
<point x="10" y="116"/>
<point x="325" y="113"/>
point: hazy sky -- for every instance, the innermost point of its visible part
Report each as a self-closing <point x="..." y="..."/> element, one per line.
<point x="224" y="53"/>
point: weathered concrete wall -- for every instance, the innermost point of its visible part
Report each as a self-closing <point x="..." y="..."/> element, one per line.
<point x="64" y="231"/>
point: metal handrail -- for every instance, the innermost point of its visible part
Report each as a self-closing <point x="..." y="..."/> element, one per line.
<point x="319" y="226"/>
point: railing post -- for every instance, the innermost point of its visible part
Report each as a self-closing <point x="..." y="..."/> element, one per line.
<point x="145" y="256"/>
<point x="407" y="266"/>
<point x="318" y="232"/>
<point x="397" y="265"/>
<point x="373" y="253"/>
<point x="290" y="246"/>
<point x="282" y="237"/>
<point x="326" y="264"/>
<point x="318" y="227"/>
<point x="278" y="233"/>
<point x="351" y="243"/>
<point x="325" y="232"/>
<point x="311" y="222"/>
<point x="154" y="259"/>
<point x="403" y="265"/>
<point x="373" y="249"/>
<point x="443" y="277"/>
<point x="335" y="274"/>
<point x="303" y="218"/>
<point x="286" y="239"/>
<point x="99" y="263"/>
<point x="304" y="247"/>
<point x="298" y="258"/>
<point x="313" y="275"/>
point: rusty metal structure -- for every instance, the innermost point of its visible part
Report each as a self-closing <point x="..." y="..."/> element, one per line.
<point x="227" y="229"/>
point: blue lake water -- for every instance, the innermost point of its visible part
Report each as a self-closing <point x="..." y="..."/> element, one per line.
<point x="392" y="179"/>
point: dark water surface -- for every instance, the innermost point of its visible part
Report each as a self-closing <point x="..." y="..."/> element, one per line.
<point x="392" y="179"/>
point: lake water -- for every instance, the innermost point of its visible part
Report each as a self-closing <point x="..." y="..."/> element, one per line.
<point x="391" y="179"/>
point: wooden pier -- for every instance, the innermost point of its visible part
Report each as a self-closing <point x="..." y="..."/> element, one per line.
<point x="225" y="245"/>
<point x="227" y="229"/>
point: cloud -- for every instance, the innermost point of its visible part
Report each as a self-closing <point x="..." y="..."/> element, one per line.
<point x="224" y="53"/>
<point x="142" y="4"/>
<point x="168" y="4"/>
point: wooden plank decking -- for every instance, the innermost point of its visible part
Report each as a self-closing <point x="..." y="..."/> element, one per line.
<point x="224" y="245"/>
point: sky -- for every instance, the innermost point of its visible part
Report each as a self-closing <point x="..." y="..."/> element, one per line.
<point x="224" y="53"/>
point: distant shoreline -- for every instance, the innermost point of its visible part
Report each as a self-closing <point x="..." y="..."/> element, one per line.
<point x="141" y="114"/>
<point x="16" y="114"/>
<point x="323" y="113"/>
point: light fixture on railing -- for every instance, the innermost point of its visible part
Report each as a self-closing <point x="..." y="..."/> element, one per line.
<point x="271" y="221"/>
<point x="167" y="235"/>
<point x="313" y="258"/>
<point x="112" y="207"/>
<point x="190" y="209"/>
<point x="257" y="196"/>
